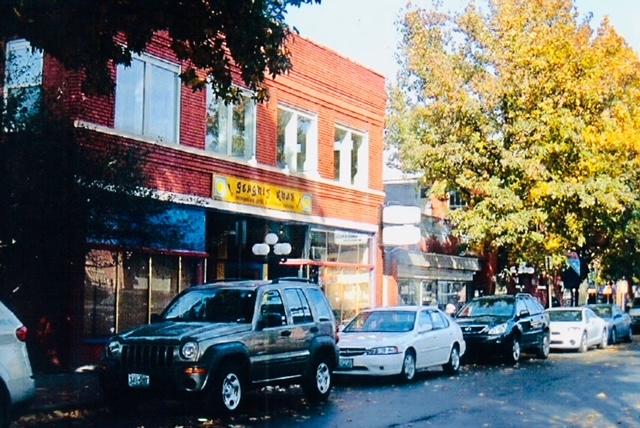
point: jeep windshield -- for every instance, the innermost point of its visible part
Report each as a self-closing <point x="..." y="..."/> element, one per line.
<point x="213" y="305"/>
<point x="501" y="307"/>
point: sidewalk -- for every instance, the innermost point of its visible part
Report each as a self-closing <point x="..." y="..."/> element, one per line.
<point x="66" y="391"/>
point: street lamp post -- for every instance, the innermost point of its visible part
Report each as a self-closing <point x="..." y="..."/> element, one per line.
<point x="273" y="252"/>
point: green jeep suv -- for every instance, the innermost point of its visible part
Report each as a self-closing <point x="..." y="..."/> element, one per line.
<point x="214" y="342"/>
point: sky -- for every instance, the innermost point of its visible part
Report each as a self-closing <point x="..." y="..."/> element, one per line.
<point x="365" y="31"/>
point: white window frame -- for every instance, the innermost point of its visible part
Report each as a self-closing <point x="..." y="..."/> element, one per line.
<point x="291" y="146"/>
<point x="37" y="56"/>
<point x="145" y="129"/>
<point x="345" y="149"/>
<point x="227" y="137"/>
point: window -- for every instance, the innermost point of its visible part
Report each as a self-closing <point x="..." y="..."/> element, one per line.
<point x="456" y="201"/>
<point x="147" y="99"/>
<point x="351" y="158"/>
<point x="298" y="305"/>
<point x="231" y="127"/>
<point x="23" y="80"/>
<point x="297" y="141"/>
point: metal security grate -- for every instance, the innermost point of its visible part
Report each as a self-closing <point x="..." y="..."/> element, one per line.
<point x="147" y="356"/>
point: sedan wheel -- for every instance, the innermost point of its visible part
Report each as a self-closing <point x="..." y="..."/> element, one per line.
<point x="604" y="340"/>
<point x="584" y="346"/>
<point x="453" y="365"/>
<point x="408" y="367"/>
<point x="614" y="337"/>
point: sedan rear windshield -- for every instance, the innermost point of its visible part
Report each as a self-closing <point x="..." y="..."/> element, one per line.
<point x="565" y="316"/>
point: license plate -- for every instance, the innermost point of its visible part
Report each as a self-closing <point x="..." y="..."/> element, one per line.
<point x="345" y="363"/>
<point x="137" y="380"/>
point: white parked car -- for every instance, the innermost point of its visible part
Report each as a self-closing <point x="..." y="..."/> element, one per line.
<point x="400" y="340"/>
<point x="577" y="328"/>
<point x="17" y="386"/>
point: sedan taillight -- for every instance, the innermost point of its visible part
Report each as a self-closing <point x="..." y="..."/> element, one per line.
<point x="21" y="333"/>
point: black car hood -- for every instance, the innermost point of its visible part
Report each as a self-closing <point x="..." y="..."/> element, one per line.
<point x="489" y="320"/>
<point x="178" y="330"/>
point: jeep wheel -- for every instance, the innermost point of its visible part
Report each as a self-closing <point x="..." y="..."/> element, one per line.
<point x="226" y="391"/>
<point x="408" y="372"/>
<point x="514" y="351"/>
<point x="614" y="336"/>
<point x="453" y="365"/>
<point x="543" y="350"/>
<point x="317" y="382"/>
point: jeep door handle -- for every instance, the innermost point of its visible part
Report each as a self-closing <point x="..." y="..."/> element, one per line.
<point x="285" y="333"/>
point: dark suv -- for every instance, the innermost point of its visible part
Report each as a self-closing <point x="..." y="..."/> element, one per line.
<point x="214" y="342"/>
<point x="504" y="325"/>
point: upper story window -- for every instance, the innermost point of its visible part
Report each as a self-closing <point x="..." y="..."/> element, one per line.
<point x="148" y="99"/>
<point x="351" y="157"/>
<point x="297" y="141"/>
<point x="231" y="127"/>
<point x="455" y="200"/>
<point x="23" y="80"/>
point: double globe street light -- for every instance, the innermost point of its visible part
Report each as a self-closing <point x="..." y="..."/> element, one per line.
<point x="272" y="250"/>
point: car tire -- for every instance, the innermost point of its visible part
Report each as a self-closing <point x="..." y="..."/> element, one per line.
<point x="545" y="347"/>
<point x="408" y="372"/>
<point x="317" y="383"/>
<point x="514" y="351"/>
<point x="5" y="407"/>
<point x="604" y="340"/>
<point x="226" y="392"/>
<point x="453" y="365"/>
<point x="613" y="338"/>
<point x="584" y="345"/>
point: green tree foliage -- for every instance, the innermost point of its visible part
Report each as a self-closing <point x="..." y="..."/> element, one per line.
<point x="532" y="116"/>
<point x="209" y="35"/>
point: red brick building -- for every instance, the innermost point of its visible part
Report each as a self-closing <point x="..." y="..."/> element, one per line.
<point x="306" y="165"/>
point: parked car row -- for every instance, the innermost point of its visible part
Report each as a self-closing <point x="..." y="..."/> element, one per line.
<point x="215" y="342"/>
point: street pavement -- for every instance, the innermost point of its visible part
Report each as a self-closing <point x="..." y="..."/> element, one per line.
<point x="67" y="391"/>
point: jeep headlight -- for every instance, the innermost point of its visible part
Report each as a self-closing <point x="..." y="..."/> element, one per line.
<point x="113" y="349"/>
<point x="498" y="329"/>
<point x="189" y="350"/>
<point x="384" y="350"/>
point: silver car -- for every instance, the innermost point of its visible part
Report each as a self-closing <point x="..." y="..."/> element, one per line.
<point x="17" y="386"/>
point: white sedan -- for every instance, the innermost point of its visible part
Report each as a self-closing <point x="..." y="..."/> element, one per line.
<point x="400" y="340"/>
<point x="576" y="328"/>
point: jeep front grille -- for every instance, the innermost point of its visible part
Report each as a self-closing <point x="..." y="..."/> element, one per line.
<point x="147" y="356"/>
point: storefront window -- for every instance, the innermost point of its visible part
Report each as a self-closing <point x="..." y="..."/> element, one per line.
<point x="431" y="292"/>
<point x="117" y="293"/>
<point x="339" y="246"/>
<point x="348" y="291"/>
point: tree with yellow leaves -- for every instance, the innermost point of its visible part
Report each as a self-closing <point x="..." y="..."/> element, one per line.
<point x="532" y="116"/>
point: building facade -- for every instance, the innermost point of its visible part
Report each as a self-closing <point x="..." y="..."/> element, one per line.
<point x="435" y="271"/>
<point x="305" y="166"/>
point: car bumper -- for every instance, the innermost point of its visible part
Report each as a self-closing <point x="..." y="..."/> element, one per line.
<point x="565" y="341"/>
<point x="486" y="346"/>
<point x="168" y="381"/>
<point x="371" y="365"/>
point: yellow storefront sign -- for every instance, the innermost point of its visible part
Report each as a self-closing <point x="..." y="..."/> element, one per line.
<point x="240" y="191"/>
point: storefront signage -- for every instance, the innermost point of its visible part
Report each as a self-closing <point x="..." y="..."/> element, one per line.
<point x="349" y="238"/>
<point x="240" y="191"/>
